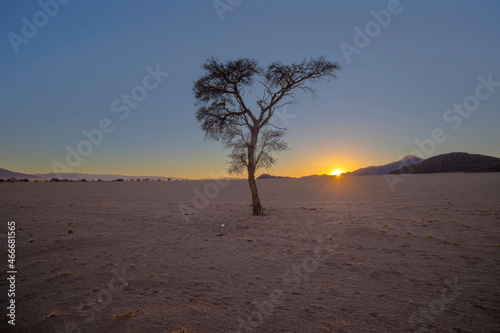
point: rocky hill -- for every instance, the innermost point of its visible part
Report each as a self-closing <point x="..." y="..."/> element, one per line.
<point x="386" y="168"/>
<point x="453" y="162"/>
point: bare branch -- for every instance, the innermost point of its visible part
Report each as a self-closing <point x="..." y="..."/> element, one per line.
<point x="224" y="115"/>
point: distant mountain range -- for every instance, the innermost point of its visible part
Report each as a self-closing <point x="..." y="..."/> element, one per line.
<point x="6" y="174"/>
<point x="453" y="162"/>
<point x="368" y="171"/>
<point x="383" y="169"/>
<point x="87" y="176"/>
<point x="268" y="176"/>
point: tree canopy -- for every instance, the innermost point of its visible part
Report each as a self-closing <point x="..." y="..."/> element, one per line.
<point x="248" y="129"/>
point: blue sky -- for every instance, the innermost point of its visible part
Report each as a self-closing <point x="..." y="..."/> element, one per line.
<point x="394" y="91"/>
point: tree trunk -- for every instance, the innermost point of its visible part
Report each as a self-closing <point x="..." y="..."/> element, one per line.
<point x="257" y="207"/>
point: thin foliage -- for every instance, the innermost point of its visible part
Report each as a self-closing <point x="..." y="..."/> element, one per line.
<point x="249" y="132"/>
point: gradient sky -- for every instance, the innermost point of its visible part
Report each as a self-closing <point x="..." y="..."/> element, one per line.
<point x="394" y="91"/>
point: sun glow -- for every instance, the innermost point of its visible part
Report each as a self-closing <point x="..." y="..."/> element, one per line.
<point x="337" y="172"/>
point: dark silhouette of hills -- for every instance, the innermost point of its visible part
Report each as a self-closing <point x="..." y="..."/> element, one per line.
<point x="6" y="174"/>
<point x="453" y="162"/>
<point x="317" y="176"/>
<point x="268" y="176"/>
<point x="384" y="169"/>
<point x="105" y="177"/>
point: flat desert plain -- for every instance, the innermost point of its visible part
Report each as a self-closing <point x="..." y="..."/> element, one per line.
<point x="336" y="254"/>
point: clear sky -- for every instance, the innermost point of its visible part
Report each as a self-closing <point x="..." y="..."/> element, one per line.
<point x="61" y="72"/>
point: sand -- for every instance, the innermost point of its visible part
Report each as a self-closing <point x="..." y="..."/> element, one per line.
<point x="344" y="254"/>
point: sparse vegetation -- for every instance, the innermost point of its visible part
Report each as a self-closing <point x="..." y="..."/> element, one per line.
<point x="37" y="262"/>
<point x="409" y="232"/>
<point x="129" y="313"/>
<point x="342" y="325"/>
<point x="181" y="330"/>
<point x="70" y="231"/>
<point x="55" y="314"/>
<point x="32" y="240"/>
<point x="67" y="273"/>
<point x="429" y="235"/>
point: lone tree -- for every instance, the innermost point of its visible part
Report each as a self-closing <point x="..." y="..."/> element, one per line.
<point x="248" y="128"/>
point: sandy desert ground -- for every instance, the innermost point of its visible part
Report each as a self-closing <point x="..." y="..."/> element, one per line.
<point x="344" y="254"/>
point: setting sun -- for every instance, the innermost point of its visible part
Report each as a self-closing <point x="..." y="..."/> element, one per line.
<point x="337" y="172"/>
